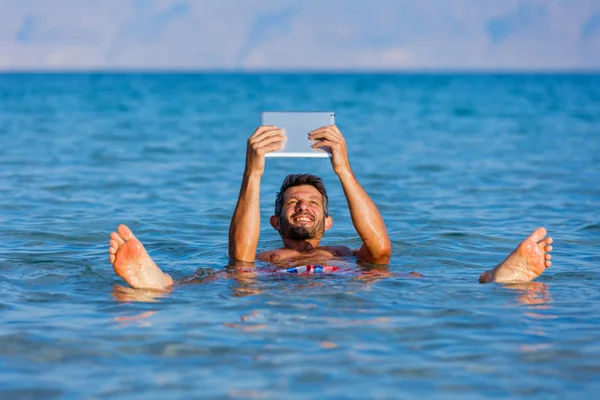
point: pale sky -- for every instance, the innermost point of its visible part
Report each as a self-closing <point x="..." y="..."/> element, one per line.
<point x="299" y="34"/>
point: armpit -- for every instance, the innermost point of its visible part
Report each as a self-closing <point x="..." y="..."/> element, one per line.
<point x="342" y="251"/>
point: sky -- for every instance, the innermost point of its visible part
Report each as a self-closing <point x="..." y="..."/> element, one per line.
<point x="281" y="35"/>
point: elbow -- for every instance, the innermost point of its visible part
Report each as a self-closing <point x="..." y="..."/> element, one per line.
<point x="383" y="253"/>
<point x="245" y="258"/>
<point x="376" y="252"/>
<point x="236" y="254"/>
<point x="241" y="248"/>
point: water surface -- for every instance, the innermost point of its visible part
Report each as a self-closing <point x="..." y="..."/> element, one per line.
<point x="462" y="168"/>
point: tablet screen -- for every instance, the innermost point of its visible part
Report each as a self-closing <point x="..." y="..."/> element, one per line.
<point x="297" y="125"/>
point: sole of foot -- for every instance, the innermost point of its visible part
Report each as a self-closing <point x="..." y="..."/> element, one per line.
<point x="528" y="261"/>
<point x="132" y="262"/>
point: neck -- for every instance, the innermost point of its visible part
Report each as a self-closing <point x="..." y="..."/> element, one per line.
<point x="301" y="245"/>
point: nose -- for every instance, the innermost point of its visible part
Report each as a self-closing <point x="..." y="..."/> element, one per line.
<point x="302" y="205"/>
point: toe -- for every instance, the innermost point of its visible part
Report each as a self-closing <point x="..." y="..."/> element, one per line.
<point x="125" y="232"/>
<point x="112" y="250"/>
<point x="538" y="234"/>
<point x="112" y="258"/>
<point x="547" y="249"/>
<point x="548" y="264"/>
<point x="115" y="236"/>
<point x="548" y="256"/>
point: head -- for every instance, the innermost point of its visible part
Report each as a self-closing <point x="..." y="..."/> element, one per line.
<point x="301" y="208"/>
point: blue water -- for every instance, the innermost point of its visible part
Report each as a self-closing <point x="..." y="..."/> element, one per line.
<point x="462" y="168"/>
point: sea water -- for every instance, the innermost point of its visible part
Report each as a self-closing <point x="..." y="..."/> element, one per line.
<point x="462" y="168"/>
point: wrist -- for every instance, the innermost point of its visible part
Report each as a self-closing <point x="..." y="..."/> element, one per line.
<point x="345" y="172"/>
<point x="253" y="170"/>
<point x="253" y="173"/>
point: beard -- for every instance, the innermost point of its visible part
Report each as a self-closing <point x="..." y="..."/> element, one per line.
<point x="299" y="232"/>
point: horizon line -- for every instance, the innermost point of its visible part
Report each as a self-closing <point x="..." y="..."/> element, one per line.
<point x="252" y="71"/>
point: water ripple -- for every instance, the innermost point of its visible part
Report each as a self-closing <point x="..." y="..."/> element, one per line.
<point x="454" y="162"/>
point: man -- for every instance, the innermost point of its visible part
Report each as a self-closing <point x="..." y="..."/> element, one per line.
<point x="301" y="209"/>
<point x="302" y="217"/>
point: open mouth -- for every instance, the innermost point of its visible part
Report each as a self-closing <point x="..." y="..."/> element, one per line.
<point x="302" y="219"/>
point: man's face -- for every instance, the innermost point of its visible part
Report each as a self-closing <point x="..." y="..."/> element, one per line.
<point x="302" y="216"/>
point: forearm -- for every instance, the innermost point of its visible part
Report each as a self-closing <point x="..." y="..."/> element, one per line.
<point x="367" y="221"/>
<point x="244" y="230"/>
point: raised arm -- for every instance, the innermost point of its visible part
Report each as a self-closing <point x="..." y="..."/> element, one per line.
<point x="244" y="229"/>
<point x="367" y="220"/>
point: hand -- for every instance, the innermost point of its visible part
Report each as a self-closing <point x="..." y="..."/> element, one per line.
<point x="331" y="140"/>
<point x="264" y="140"/>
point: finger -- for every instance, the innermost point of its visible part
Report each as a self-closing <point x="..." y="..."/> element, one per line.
<point x="263" y="131"/>
<point x="330" y="146"/>
<point x="323" y="143"/>
<point x="265" y="135"/>
<point x="271" y="147"/>
<point x="333" y="129"/>
<point x="262" y="128"/>
<point x="326" y="132"/>
<point x="330" y="128"/>
<point x="270" y="140"/>
<point x="322" y="129"/>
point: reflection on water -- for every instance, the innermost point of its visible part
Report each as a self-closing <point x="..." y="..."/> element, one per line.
<point x="532" y="293"/>
<point x="124" y="294"/>
<point x="140" y="319"/>
<point x="246" y="280"/>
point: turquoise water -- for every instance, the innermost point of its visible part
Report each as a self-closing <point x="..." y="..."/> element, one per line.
<point x="462" y="168"/>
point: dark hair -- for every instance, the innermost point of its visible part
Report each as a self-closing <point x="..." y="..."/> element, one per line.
<point x="298" y="180"/>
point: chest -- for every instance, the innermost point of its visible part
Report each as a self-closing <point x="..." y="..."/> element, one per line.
<point x="289" y="257"/>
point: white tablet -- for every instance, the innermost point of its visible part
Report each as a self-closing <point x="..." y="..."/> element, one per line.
<point x="297" y="125"/>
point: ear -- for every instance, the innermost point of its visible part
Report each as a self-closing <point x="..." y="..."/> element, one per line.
<point x="274" y="220"/>
<point x="328" y="223"/>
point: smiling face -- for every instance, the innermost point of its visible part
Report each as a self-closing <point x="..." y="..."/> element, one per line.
<point x="302" y="215"/>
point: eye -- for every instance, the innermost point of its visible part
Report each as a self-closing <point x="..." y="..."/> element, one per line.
<point x="314" y="203"/>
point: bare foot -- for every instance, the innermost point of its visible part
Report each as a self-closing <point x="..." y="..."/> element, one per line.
<point x="528" y="261"/>
<point x="132" y="263"/>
